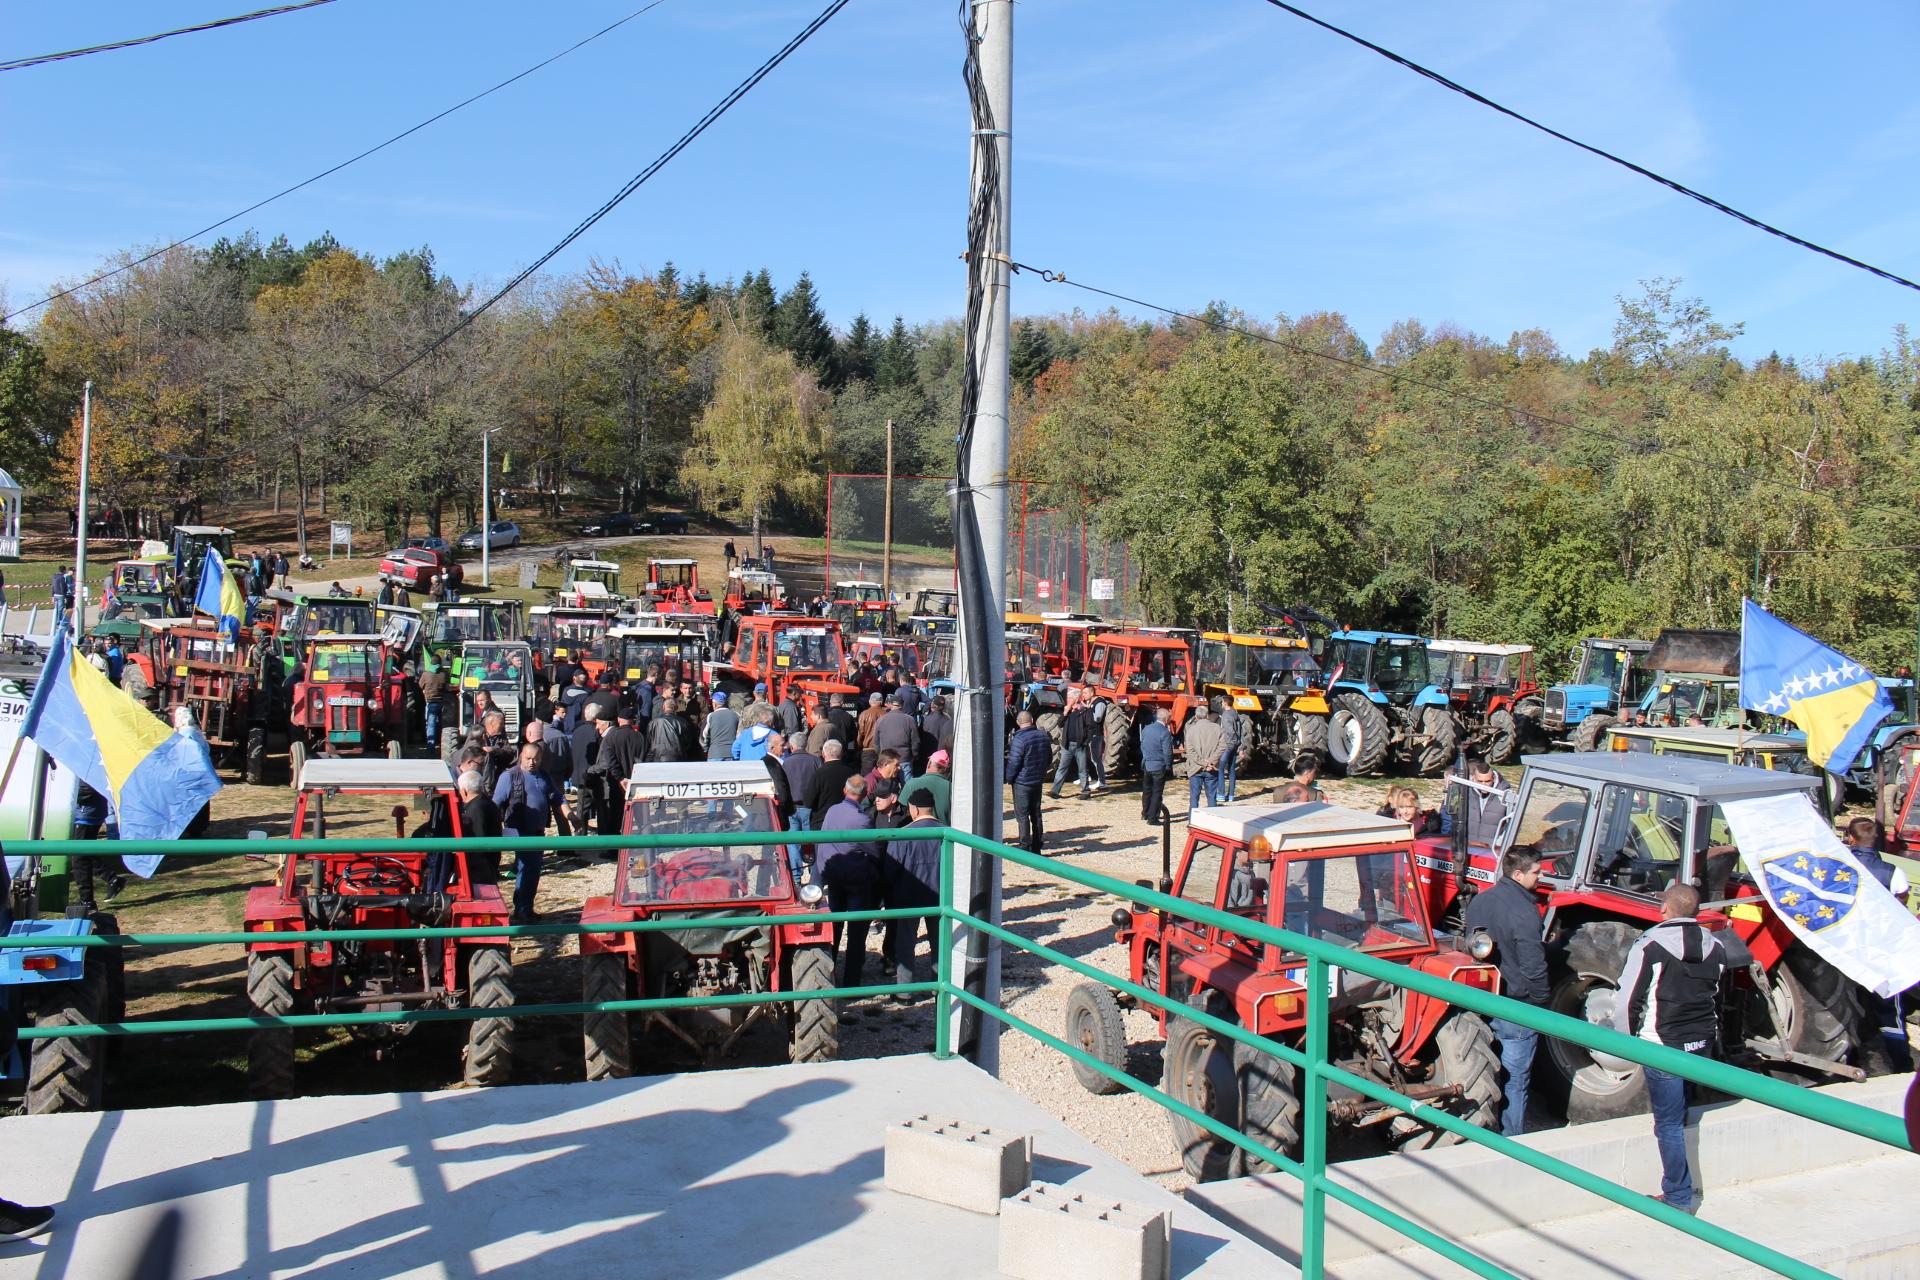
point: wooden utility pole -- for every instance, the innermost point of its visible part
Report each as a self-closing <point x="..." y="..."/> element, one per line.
<point x="886" y="536"/>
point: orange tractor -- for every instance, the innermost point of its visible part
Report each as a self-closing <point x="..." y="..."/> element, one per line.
<point x="1136" y="674"/>
<point x="787" y="651"/>
<point x="673" y="586"/>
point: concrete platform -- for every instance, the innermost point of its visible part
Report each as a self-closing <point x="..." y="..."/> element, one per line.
<point x="1841" y="1203"/>
<point x="771" y="1171"/>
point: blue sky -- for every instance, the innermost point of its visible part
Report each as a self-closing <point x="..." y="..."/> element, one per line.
<point x="1181" y="151"/>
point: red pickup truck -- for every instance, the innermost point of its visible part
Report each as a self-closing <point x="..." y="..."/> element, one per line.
<point x="415" y="567"/>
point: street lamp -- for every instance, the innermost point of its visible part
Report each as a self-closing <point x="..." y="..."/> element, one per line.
<point x="486" y="507"/>
<point x="80" y="519"/>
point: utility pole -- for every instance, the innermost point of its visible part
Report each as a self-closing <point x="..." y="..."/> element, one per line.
<point x="886" y="546"/>
<point x="486" y="507"/>
<point x="80" y="518"/>
<point x="980" y="648"/>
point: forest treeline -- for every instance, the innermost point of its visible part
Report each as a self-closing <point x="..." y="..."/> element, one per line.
<point x="1436" y="481"/>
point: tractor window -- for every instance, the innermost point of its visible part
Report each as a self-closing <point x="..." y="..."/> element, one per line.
<point x="702" y="873"/>
<point x="1399" y="666"/>
<point x="1715" y="857"/>
<point x="1283" y="666"/>
<point x="1075" y="648"/>
<point x="1097" y="664"/>
<point x="1551" y="821"/>
<point x="806" y="649"/>
<point x="1213" y="661"/>
<point x="1641" y="837"/>
<point x="1360" y="900"/>
<point x="1177" y="672"/>
<point x="457" y="625"/>
<point x="1200" y="881"/>
<point x="342" y="662"/>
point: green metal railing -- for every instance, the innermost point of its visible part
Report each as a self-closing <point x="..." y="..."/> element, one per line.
<point x="1310" y="1059"/>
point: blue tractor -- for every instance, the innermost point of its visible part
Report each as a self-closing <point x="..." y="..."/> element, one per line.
<point x="1385" y="705"/>
<point x="59" y="985"/>
<point x="1611" y="674"/>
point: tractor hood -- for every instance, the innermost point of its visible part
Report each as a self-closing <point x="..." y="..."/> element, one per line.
<point x="1682" y="651"/>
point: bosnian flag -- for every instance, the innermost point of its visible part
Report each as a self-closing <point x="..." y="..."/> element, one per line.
<point x="1786" y="672"/>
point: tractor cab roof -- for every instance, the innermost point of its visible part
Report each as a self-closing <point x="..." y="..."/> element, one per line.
<point x="1474" y="646"/>
<point x="1255" y="641"/>
<point x="1065" y="616"/>
<point x="1299" y="828"/>
<point x="376" y="774"/>
<point x="201" y="530"/>
<point x="1715" y="739"/>
<point x="676" y="560"/>
<point x="595" y="565"/>
<point x="722" y="779"/>
<point x="1706" y="780"/>
<point x="1378" y="637"/>
<point x="1605" y="642"/>
<point x="655" y="633"/>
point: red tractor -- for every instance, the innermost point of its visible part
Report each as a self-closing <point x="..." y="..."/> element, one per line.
<point x="680" y="654"/>
<point x="1614" y="829"/>
<point x="861" y="608"/>
<point x="1063" y="643"/>
<point x="1136" y="674"/>
<point x="673" y="586"/>
<point x="349" y="699"/>
<point x="1495" y="697"/>
<point x="695" y="880"/>
<point x="883" y="652"/>
<point x="398" y="889"/>
<point x="1332" y="874"/>
<point x="564" y="633"/>
<point x="787" y="650"/>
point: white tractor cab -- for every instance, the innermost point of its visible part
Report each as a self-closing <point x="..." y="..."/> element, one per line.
<point x="1785" y="752"/>
<point x="679" y="652"/>
<point x="591" y="582"/>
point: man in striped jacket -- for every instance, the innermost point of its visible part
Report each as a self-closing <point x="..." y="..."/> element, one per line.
<point x="1670" y="994"/>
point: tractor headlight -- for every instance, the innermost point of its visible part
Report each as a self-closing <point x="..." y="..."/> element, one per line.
<point x="1479" y="944"/>
<point x="810" y="893"/>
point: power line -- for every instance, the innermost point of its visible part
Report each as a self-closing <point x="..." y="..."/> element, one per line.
<point x="1681" y="187"/>
<point x="1641" y="446"/>
<point x="327" y="173"/>
<point x="17" y="64"/>
<point x="632" y="185"/>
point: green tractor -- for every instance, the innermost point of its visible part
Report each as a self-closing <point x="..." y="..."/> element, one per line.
<point x="445" y="628"/>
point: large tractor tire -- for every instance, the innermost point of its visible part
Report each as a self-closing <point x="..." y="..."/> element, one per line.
<point x="1199" y="1071"/>
<point x="1823" y="1015"/>
<point x="489" y="1058"/>
<point x="1309" y="734"/>
<point x="1597" y="1086"/>
<point x="1503" y="738"/>
<point x="393" y="749"/>
<point x="270" y="1051"/>
<point x="1441" y="734"/>
<point x="70" y="1073"/>
<point x="449" y="743"/>
<point x="816" y="1026"/>
<point x="1591" y="734"/>
<point x="1116" y="743"/>
<point x="1269" y="1105"/>
<point x="133" y="683"/>
<point x="1465" y="1054"/>
<point x="296" y="761"/>
<point x="1528" y="714"/>
<point x="608" y="1034"/>
<point x="1358" y="736"/>
<point x="256" y="773"/>
<point x="1053" y="725"/>
<point x="1095" y="1025"/>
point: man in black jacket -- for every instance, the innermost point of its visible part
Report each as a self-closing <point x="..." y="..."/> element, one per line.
<point x="1670" y="994"/>
<point x="911" y="876"/>
<point x="1509" y="913"/>
<point x="829" y="780"/>
<point x="1029" y="756"/>
<point x="1076" y="728"/>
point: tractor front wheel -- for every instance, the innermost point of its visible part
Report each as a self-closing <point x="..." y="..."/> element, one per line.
<point x="1467" y="1056"/>
<point x="607" y="1033"/>
<point x="1591" y="734"/>
<point x="816" y="1026"/>
<point x="1269" y="1105"/>
<point x="393" y="749"/>
<point x="1597" y="1085"/>
<point x="1199" y="1071"/>
<point x="1358" y="735"/>
<point x="270" y="1050"/>
<point x="1309" y="734"/>
<point x="1116" y="748"/>
<point x="70" y="1073"/>
<point x="256" y="755"/>
<point x="1051" y="723"/>
<point x="1442" y="734"/>
<point x="1095" y="1025"/>
<point x="489" y="1040"/>
<point x="1503" y="738"/>
<point x="449" y="743"/>
<point x="296" y="760"/>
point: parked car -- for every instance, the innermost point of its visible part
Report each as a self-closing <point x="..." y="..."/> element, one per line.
<point x="432" y="544"/>
<point x="415" y="567"/>
<point x="501" y="533"/>
<point x="662" y="522"/>
<point x="613" y="524"/>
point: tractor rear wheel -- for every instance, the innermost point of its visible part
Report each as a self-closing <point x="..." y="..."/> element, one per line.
<point x="1503" y="738"/>
<point x="1309" y="734"/>
<point x="1597" y="1085"/>
<point x="1095" y="1025"/>
<point x="816" y="1027"/>
<point x="1591" y="734"/>
<point x="1269" y="1105"/>
<point x="1050" y="723"/>
<point x="393" y="749"/>
<point x="1466" y="1055"/>
<point x="1198" y="1070"/>
<point x="1357" y="734"/>
<point x="269" y="1051"/>
<point x="133" y="683"/>
<point x="608" y="1034"/>
<point x="449" y="743"/>
<point x="1822" y="1013"/>
<point x="256" y="755"/>
<point x="296" y="761"/>
<point x="489" y="1040"/>
<point x="1116" y="748"/>
<point x="70" y="1073"/>
<point x="1442" y="734"/>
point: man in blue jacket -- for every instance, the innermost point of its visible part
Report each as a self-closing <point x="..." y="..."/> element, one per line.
<point x="1029" y="760"/>
<point x="1156" y="762"/>
<point x="912" y="875"/>
<point x="850" y="871"/>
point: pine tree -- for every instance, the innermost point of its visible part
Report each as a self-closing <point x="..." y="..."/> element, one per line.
<point x="853" y="361"/>
<point x="700" y="292"/>
<point x="1032" y="353"/>
<point x="757" y="302"/>
<point x="894" y="366"/>
<point x="800" y="327"/>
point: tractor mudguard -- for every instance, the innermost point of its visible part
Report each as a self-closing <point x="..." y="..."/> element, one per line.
<point x="804" y="934"/>
<point x="1431" y="697"/>
<point x="1312" y="704"/>
<point x="1270" y="1004"/>
<point x="275" y="918"/>
<point x="1424" y="1012"/>
<point x="27" y="967"/>
<point x="485" y="908"/>
<point x="602" y="911"/>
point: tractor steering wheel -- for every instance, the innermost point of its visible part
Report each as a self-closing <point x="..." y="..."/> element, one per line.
<point x="377" y="874"/>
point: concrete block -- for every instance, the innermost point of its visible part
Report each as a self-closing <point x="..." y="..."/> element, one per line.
<point x="953" y="1162"/>
<point x="1048" y="1232"/>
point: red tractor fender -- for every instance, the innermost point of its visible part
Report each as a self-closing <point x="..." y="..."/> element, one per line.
<point x="484" y="908"/>
<point x="1439" y="873"/>
<point x="804" y="933"/>
<point x="1424" y="1012"/>
<point x="272" y="916"/>
<point x="1760" y="927"/>
<point x="602" y="911"/>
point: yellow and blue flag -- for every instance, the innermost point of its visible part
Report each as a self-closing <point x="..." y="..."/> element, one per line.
<point x="219" y="596"/>
<point x="1786" y="672"/>
<point x="157" y="779"/>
